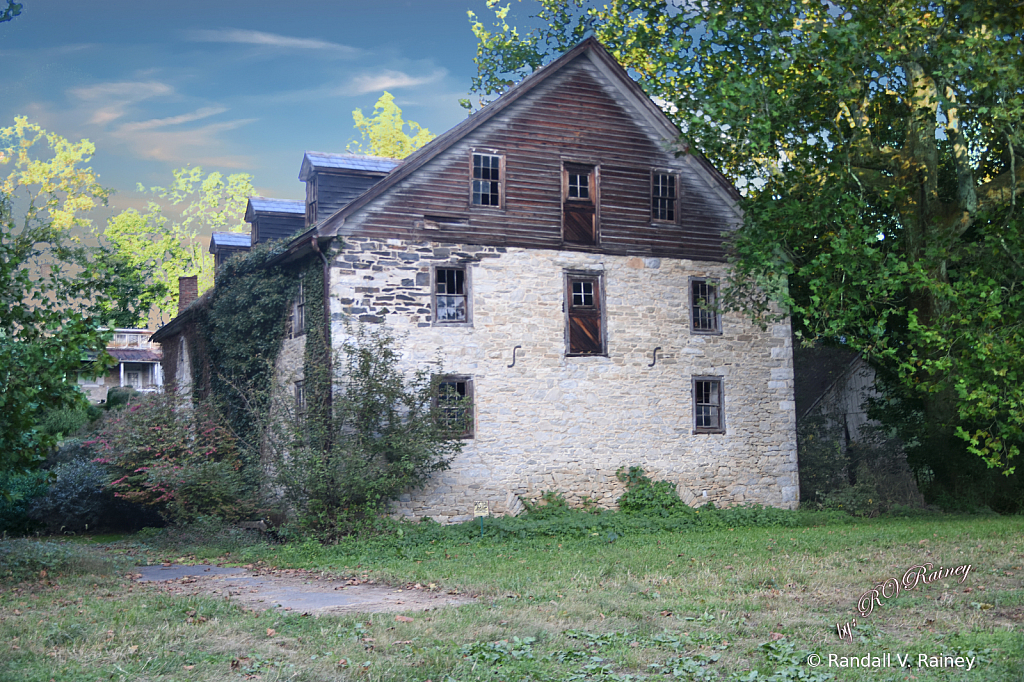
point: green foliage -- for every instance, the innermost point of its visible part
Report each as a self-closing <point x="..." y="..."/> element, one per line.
<point x="48" y="283"/>
<point x="28" y="559"/>
<point x="386" y="436"/>
<point x="152" y="251"/>
<point x="22" y="489"/>
<point x="65" y="421"/>
<point x="119" y="396"/>
<point x="650" y="498"/>
<point x="174" y="455"/>
<point x="242" y="326"/>
<point x="880" y="162"/>
<point x="76" y="499"/>
<point x="12" y="10"/>
<point x="383" y="133"/>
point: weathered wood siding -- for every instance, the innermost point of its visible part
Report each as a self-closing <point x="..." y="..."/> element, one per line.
<point x="335" y="189"/>
<point x="278" y="226"/>
<point x="574" y="117"/>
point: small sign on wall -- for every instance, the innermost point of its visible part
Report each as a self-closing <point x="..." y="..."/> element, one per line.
<point x="481" y="509"/>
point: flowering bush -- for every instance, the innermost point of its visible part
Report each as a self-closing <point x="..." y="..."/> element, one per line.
<point x="165" y="451"/>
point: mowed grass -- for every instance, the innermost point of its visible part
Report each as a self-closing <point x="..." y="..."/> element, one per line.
<point x="742" y="604"/>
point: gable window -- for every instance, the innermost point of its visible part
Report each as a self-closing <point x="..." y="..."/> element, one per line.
<point x="455" y="404"/>
<point x="663" y="197"/>
<point x="487" y="179"/>
<point x="300" y="399"/>
<point x="579" y="201"/>
<point x="451" y="296"/>
<point x="707" y="405"/>
<point x="704" y="319"/>
<point x="297" y="316"/>
<point x="584" y="323"/>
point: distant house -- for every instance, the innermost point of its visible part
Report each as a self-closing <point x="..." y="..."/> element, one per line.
<point x="561" y="250"/>
<point x="138" y="366"/>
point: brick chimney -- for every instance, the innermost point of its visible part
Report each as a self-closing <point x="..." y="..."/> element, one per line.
<point x="188" y="291"/>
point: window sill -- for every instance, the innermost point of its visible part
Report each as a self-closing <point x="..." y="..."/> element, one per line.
<point x="705" y="332"/>
<point x="706" y="432"/>
<point x="586" y="355"/>
<point x="452" y="325"/>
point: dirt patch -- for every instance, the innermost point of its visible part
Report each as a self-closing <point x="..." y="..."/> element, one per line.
<point x="295" y="589"/>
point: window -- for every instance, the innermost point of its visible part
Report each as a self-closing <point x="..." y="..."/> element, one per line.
<point x="297" y="317"/>
<point x="487" y="178"/>
<point x="707" y="405"/>
<point x="451" y="300"/>
<point x="663" y="197"/>
<point x="455" y="404"/>
<point x="300" y="399"/>
<point x="704" y="319"/>
<point x="579" y="199"/>
<point x="584" y="315"/>
<point x="310" y="202"/>
<point x="133" y="379"/>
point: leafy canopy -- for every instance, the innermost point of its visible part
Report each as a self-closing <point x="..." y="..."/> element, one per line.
<point x="49" y="283"/>
<point x="879" y="148"/>
<point x="160" y="249"/>
<point x="383" y="134"/>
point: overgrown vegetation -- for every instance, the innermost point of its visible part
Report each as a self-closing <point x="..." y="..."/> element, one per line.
<point x="386" y="434"/>
<point x="174" y="454"/>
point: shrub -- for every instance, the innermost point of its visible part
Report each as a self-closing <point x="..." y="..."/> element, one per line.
<point x="22" y="488"/>
<point x="174" y="456"/>
<point x="120" y="396"/>
<point x="70" y="450"/>
<point x="65" y="421"/>
<point x="76" y="500"/>
<point x="650" y="498"/>
<point x="384" y="436"/>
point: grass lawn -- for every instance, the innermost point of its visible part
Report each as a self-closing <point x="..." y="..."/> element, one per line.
<point x="741" y="604"/>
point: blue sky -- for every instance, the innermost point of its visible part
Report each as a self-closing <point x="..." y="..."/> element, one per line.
<point x="230" y="85"/>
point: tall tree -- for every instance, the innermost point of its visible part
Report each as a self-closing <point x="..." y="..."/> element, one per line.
<point x="384" y="132"/>
<point x="12" y="10"/>
<point x="48" y="283"/>
<point x="163" y="249"/>
<point x="880" y="150"/>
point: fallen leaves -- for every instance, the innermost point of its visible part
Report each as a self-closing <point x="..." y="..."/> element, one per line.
<point x="403" y="619"/>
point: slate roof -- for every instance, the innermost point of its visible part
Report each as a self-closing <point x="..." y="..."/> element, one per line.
<point x="243" y="239"/>
<point x="373" y="164"/>
<point x="276" y="205"/>
<point x="134" y="355"/>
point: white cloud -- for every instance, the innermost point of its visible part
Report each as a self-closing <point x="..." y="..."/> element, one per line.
<point x="196" y="145"/>
<point x="153" y="123"/>
<point x="237" y="35"/>
<point x="387" y="80"/>
<point x="113" y="99"/>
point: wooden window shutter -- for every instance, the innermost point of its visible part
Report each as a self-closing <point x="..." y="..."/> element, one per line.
<point x="579" y="216"/>
<point x="586" y="336"/>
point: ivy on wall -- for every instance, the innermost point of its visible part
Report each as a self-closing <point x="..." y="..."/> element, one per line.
<point x="317" y="361"/>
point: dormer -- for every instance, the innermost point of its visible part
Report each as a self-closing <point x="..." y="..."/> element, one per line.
<point x="223" y="245"/>
<point x="333" y="180"/>
<point x="274" y="219"/>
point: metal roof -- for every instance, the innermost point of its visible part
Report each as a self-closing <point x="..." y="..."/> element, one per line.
<point x="231" y="239"/>
<point x="373" y="164"/>
<point x="277" y="205"/>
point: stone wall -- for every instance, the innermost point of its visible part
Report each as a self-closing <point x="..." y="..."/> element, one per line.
<point x="553" y="422"/>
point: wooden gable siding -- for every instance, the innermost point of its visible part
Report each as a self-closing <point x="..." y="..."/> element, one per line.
<point x="277" y="226"/>
<point x="574" y="117"/>
<point x="335" y="189"/>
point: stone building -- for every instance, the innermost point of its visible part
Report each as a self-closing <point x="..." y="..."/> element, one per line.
<point x="561" y="250"/>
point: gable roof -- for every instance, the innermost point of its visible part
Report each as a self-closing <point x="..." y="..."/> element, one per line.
<point x="605" y="63"/>
<point x="230" y="239"/>
<point x="314" y="161"/>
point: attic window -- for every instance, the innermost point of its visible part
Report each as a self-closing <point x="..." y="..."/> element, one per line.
<point x="663" y="197"/>
<point x="487" y="178"/>
<point x="579" y="194"/>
